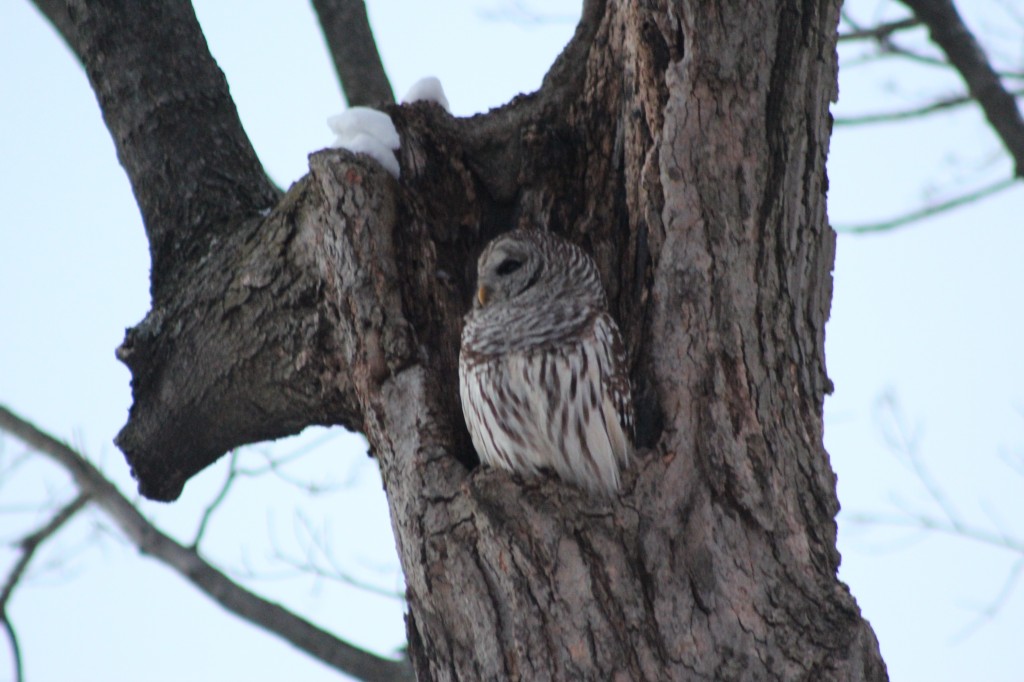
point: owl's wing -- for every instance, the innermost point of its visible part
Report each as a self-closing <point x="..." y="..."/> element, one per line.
<point x="615" y="380"/>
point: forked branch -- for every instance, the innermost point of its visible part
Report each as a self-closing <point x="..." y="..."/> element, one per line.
<point x="949" y="32"/>
<point x="194" y="568"/>
<point x="28" y="546"/>
<point x="173" y="122"/>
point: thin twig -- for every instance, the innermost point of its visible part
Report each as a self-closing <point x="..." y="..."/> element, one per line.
<point x="963" y="50"/>
<point x="990" y="611"/>
<point x="190" y="565"/>
<point x="905" y="445"/>
<point x="891" y="47"/>
<point x="938" y="105"/>
<point x="879" y="32"/>
<point x="218" y="499"/>
<point x="12" y="638"/>
<point x="8" y="468"/>
<point x="29" y="545"/>
<point x="318" y="546"/>
<point x="958" y="529"/>
<point x="927" y="212"/>
<point x="275" y="465"/>
<point x="519" y="13"/>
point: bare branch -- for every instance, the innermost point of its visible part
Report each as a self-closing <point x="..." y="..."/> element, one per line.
<point x="520" y="14"/>
<point x="172" y="119"/>
<point x="950" y="33"/>
<point x="956" y="527"/>
<point x="274" y="465"/>
<point x="880" y="32"/>
<point x="28" y="546"/>
<point x="927" y="212"/>
<point x="924" y="523"/>
<point x="191" y="566"/>
<point x="993" y="607"/>
<point x="12" y="638"/>
<point x="32" y="542"/>
<point x="317" y="546"/>
<point x="903" y="442"/>
<point x="887" y="46"/>
<point x="56" y="11"/>
<point x="570" y="63"/>
<point x="890" y="50"/>
<point x="899" y="116"/>
<point x="354" y="51"/>
<point x="960" y="529"/>
<point x="218" y="499"/>
<point x="494" y="141"/>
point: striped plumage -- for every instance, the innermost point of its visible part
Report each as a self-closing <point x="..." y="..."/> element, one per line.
<point x="542" y="367"/>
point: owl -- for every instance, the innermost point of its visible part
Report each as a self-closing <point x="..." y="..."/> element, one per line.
<point x="542" y="372"/>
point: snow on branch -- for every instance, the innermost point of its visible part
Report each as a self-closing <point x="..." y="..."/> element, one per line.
<point x="362" y="130"/>
<point x="427" y="90"/>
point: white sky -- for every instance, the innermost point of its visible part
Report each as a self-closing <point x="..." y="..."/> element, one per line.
<point x="930" y="314"/>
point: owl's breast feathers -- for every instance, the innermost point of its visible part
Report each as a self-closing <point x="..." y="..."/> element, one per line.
<point x="564" y="403"/>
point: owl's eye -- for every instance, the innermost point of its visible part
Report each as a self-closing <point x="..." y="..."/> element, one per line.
<point x="508" y="266"/>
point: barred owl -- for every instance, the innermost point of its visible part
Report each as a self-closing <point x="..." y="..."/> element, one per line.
<point x="542" y="367"/>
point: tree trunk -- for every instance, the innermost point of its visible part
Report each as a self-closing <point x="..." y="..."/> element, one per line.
<point x="691" y="162"/>
<point x="682" y="144"/>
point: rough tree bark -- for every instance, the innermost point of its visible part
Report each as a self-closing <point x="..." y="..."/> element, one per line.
<point x="683" y="144"/>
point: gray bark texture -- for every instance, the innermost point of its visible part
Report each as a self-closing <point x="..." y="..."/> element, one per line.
<point x="683" y="144"/>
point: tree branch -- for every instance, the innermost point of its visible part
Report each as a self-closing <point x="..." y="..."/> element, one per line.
<point x="949" y="32"/>
<point x="28" y="546"/>
<point x="880" y="32"/>
<point x="169" y="112"/>
<point x="191" y="566"/>
<point x="218" y="499"/>
<point x="917" y="112"/>
<point x="903" y="442"/>
<point x="569" y="66"/>
<point x="354" y="51"/>
<point x="12" y="638"/>
<point x="926" y="212"/>
<point x="256" y="343"/>
<point x="56" y="11"/>
<point x="317" y="550"/>
<point x="279" y="326"/>
<point x="494" y="142"/>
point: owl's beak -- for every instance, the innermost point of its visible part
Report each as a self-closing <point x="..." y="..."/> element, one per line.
<point x="482" y="294"/>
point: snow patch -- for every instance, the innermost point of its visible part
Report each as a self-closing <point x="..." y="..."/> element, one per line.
<point x="363" y="130"/>
<point x="429" y="90"/>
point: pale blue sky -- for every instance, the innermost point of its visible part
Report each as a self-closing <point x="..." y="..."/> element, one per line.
<point x="931" y="313"/>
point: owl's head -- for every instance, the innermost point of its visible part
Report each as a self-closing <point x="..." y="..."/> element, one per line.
<point x="527" y="265"/>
